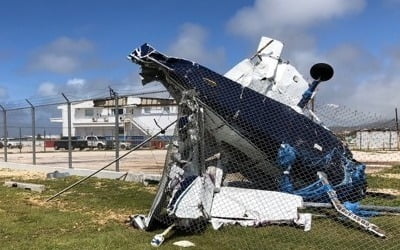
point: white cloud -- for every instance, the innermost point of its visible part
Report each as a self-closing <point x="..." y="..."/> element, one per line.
<point x="47" y="89"/>
<point x="3" y="93"/>
<point x="64" y="55"/>
<point x="191" y="44"/>
<point x="76" y="82"/>
<point x="56" y="63"/>
<point x="362" y="81"/>
<point x="68" y="45"/>
<point x="282" y="16"/>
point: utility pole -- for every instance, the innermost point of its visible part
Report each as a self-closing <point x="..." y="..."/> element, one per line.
<point x="116" y="124"/>
<point x="5" y="132"/>
<point x="69" y="131"/>
<point x="33" y="132"/>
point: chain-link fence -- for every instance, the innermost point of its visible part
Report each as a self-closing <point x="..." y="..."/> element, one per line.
<point x="323" y="177"/>
<point x="51" y="131"/>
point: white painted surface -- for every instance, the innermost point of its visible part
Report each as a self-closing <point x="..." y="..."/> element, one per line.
<point x="269" y="75"/>
<point x="252" y="204"/>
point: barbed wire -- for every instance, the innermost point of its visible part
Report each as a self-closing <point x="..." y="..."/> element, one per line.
<point x="41" y="101"/>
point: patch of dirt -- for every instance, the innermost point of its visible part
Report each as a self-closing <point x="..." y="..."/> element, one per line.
<point x="151" y="188"/>
<point x="20" y="174"/>
<point x="40" y="202"/>
<point x="384" y="191"/>
<point x="390" y="176"/>
<point x="376" y="168"/>
<point x="102" y="218"/>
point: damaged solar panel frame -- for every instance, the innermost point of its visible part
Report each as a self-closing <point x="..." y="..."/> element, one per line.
<point x="247" y="150"/>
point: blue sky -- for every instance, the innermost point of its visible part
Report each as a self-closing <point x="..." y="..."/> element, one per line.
<point x="80" y="47"/>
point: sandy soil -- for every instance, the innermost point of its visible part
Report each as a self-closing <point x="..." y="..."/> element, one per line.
<point x="152" y="161"/>
<point x="145" y="161"/>
<point x="378" y="160"/>
<point x="25" y="175"/>
<point x="379" y="157"/>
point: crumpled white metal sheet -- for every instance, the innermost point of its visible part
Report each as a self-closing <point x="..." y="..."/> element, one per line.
<point x="253" y="204"/>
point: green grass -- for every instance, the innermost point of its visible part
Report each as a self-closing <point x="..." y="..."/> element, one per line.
<point x="382" y="182"/>
<point x="90" y="216"/>
<point x="392" y="170"/>
<point x="379" y="181"/>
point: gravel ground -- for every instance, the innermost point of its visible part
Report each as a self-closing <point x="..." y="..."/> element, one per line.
<point x="152" y="161"/>
<point x="144" y="161"/>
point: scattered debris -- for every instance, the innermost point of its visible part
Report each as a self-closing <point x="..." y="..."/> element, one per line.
<point x="27" y="186"/>
<point x="158" y="239"/>
<point x="347" y="212"/>
<point x="184" y="243"/>
<point x="57" y="175"/>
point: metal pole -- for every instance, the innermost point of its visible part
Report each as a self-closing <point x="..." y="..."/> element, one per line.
<point x="397" y="129"/>
<point x="20" y="143"/>
<point x="33" y="132"/>
<point x="116" y="127"/>
<point x="44" y="140"/>
<point x="109" y="164"/>
<point x="69" y="131"/>
<point x="363" y="207"/>
<point x="5" y="132"/>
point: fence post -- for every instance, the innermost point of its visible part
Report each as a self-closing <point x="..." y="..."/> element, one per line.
<point x="397" y="129"/>
<point x="5" y="132"/>
<point x="44" y="140"/>
<point x="69" y="131"/>
<point x="116" y="124"/>
<point x="20" y="142"/>
<point x="33" y="132"/>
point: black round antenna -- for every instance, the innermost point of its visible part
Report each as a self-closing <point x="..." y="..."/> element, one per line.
<point x="321" y="72"/>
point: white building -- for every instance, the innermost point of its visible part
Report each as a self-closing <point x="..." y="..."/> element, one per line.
<point x="137" y="116"/>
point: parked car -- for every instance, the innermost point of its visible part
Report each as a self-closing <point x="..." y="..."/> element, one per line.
<point x="76" y="142"/>
<point x="124" y="144"/>
<point x="14" y="143"/>
<point x="99" y="142"/>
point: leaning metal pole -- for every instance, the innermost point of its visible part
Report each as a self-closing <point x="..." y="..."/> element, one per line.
<point x="33" y="132"/>
<point x="5" y="132"/>
<point x="362" y="207"/>
<point x="69" y="131"/>
<point x="112" y="162"/>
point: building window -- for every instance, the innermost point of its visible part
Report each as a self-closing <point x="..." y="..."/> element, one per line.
<point x="167" y="109"/>
<point x="147" y="110"/>
<point x="120" y="111"/>
<point x="89" y="112"/>
<point x="157" y="110"/>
